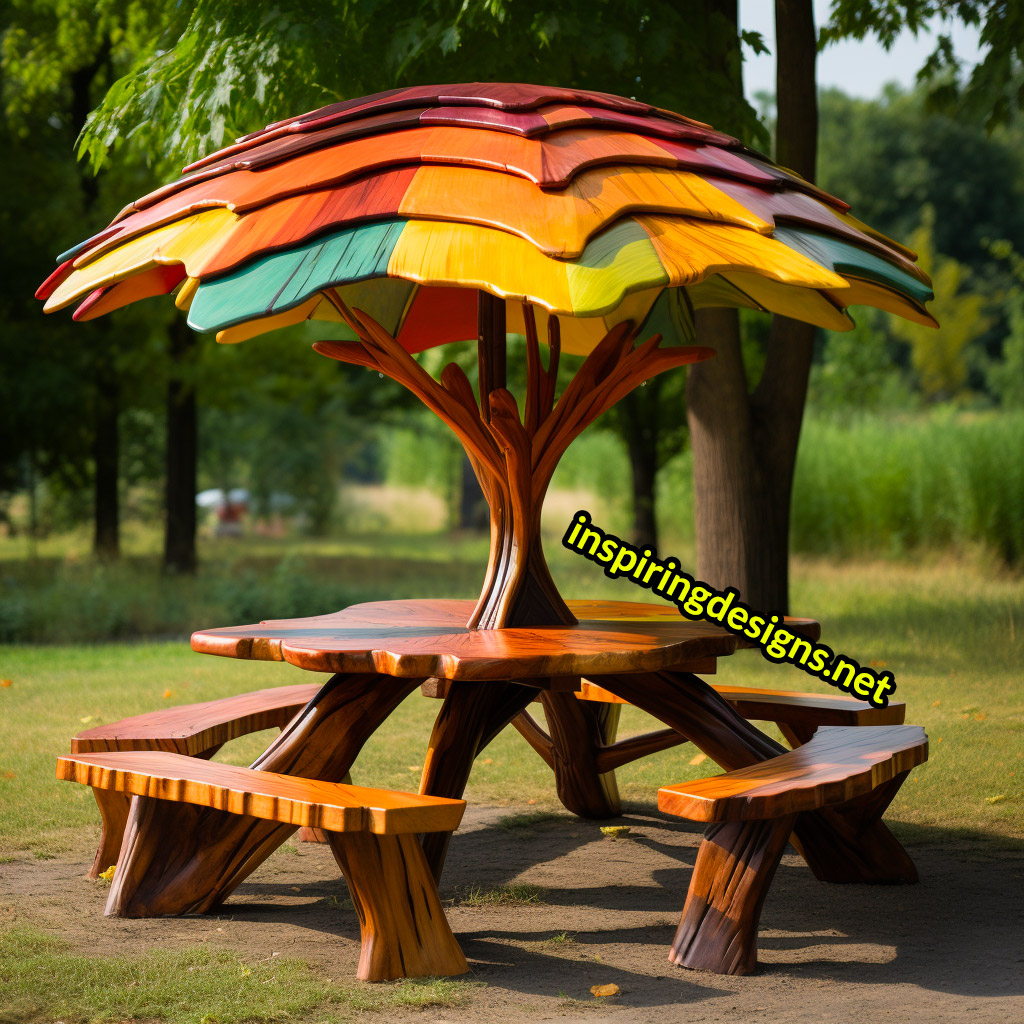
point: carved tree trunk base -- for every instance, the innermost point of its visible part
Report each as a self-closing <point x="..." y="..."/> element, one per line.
<point x="579" y="730"/>
<point x="114" y="809"/>
<point x="471" y="716"/>
<point x="181" y="859"/>
<point x="735" y="866"/>
<point x="403" y="928"/>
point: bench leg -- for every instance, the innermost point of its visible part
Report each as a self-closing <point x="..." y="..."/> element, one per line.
<point x="579" y="729"/>
<point x="735" y="866"/>
<point x="404" y="931"/>
<point x="181" y="859"/>
<point x="851" y="843"/>
<point x="114" y="812"/>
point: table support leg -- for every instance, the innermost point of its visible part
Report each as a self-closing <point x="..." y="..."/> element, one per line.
<point x="735" y="866"/>
<point x="471" y="716"/>
<point x="846" y="844"/>
<point x="180" y="859"/>
<point x="579" y="730"/>
<point x="114" y="808"/>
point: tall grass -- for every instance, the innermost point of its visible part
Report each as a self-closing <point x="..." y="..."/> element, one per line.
<point x="891" y="486"/>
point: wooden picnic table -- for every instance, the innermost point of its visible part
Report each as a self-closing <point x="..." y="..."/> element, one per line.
<point x="187" y="859"/>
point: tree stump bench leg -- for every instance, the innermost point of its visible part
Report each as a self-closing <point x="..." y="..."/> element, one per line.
<point x="114" y="809"/>
<point x="735" y="866"/>
<point x="403" y="928"/>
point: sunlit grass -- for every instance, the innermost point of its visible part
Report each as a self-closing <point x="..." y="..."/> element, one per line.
<point x="192" y="986"/>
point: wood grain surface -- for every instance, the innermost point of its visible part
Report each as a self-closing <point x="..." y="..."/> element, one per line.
<point x="331" y="806"/>
<point x="194" y="728"/>
<point x="430" y="638"/>
<point x="838" y="765"/>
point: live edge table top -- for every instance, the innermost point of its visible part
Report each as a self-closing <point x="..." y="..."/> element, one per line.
<point x="424" y="638"/>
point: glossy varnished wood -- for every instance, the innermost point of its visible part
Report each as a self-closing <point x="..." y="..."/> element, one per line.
<point x="196" y="728"/>
<point x="199" y="730"/>
<point x="429" y="638"/>
<point x="288" y="799"/>
<point x="372" y="832"/>
<point x="212" y="851"/>
<point x="838" y="765"/>
<point x="752" y="812"/>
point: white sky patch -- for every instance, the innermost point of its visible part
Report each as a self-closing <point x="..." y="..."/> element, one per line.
<point x="858" y="68"/>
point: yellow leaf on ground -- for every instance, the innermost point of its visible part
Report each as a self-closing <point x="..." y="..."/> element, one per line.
<point x="295" y="888"/>
<point x="86" y="720"/>
<point x="995" y="799"/>
<point x="6" y="682"/>
<point x="698" y="758"/>
<point x="936" y="703"/>
<point x="487" y="760"/>
<point x="875" y="663"/>
<point x="531" y="801"/>
<point x="107" y="875"/>
<point x="167" y="693"/>
<point x="615" y="830"/>
<point x="414" y="767"/>
<point x="604" y="990"/>
<point x="10" y="775"/>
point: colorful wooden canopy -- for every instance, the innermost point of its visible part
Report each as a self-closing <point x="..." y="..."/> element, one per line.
<point x="593" y="207"/>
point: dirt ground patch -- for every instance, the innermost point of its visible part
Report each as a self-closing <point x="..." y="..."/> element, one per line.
<point x="948" y="949"/>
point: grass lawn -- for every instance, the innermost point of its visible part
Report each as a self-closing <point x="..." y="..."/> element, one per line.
<point x="950" y="631"/>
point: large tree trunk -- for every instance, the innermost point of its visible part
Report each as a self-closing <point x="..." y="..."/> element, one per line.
<point x="744" y="446"/>
<point x="180" y="493"/>
<point x="106" y="452"/>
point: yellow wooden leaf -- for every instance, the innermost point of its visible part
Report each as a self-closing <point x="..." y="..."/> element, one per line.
<point x="698" y="758"/>
<point x="604" y="990"/>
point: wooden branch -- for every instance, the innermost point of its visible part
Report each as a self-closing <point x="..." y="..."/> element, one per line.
<point x="625" y="751"/>
<point x="531" y="731"/>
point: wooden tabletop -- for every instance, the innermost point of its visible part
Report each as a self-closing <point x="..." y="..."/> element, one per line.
<point x="430" y="638"/>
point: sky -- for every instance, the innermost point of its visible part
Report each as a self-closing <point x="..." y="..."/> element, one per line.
<point x="858" y="68"/>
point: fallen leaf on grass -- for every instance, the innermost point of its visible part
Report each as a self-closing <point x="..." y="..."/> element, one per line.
<point x="6" y="682"/>
<point x="698" y="758"/>
<point x="10" y="775"/>
<point x="936" y="703"/>
<point x="87" y="719"/>
<point x="414" y="767"/>
<point x="108" y="875"/>
<point x="167" y="693"/>
<point x="487" y="760"/>
<point x="531" y="801"/>
<point x="604" y="990"/>
<point x="875" y="663"/>
<point x="995" y="799"/>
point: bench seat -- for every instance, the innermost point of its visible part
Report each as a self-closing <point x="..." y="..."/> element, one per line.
<point x="751" y="813"/>
<point x="372" y="832"/>
<point x="798" y="715"/>
<point x="199" y="730"/>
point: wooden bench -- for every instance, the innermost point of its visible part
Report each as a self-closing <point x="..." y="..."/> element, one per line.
<point x="796" y="714"/>
<point x="751" y="813"/>
<point x="372" y="832"/>
<point x="199" y="730"/>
